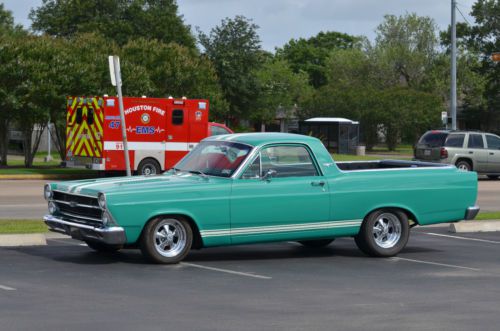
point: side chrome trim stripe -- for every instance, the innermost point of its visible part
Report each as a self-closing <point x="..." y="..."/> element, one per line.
<point x="280" y="228"/>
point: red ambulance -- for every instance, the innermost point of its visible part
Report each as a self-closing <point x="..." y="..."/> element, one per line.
<point x="159" y="132"/>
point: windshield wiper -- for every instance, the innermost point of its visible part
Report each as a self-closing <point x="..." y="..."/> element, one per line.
<point x="175" y="170"/>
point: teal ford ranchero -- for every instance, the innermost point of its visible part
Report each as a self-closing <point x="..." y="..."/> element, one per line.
<point x="261" y="187"/>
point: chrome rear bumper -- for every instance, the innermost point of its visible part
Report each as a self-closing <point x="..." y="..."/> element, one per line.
<point x="113" y="235"/>
<point x="471" y="213"/>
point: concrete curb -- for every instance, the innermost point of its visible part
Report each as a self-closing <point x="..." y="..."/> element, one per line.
<point x="475" y="226"/>
<point x="48" y="177"/>
<point x="14" y="240"/>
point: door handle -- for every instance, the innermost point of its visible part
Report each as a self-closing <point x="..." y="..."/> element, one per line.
<point x="491" y="153"/>
<point x="471" y="152"/>
<point x="318" y="183"/>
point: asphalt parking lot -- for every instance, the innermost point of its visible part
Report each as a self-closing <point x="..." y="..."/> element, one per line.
<point x="441" y="281"/>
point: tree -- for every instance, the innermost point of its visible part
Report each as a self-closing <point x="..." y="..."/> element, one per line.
<point x="310" y="55"/>
<point x="279" y="88"/>
<point x="170" y="69"/>
<point x="10" y="35"/>
<point x="405" y="48"/>
<point x="118" y="20"/>
<point x="235" y="51"/>
<point x="482" y="39"/>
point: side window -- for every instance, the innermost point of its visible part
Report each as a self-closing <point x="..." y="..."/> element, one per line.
<point x="493" y="142"/>
<point x="177" y="117"/>
<point x="475" y="141"/>
<point x="79" y="115"/>
<point x="455" y="140"/>
<point x="253" y="171"/>
<point x="288" y="161"/>
<point x="90" y="116"/>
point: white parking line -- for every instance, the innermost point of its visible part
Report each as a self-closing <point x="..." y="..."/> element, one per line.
<point x="225" y="270"/>
<point x="435" y="263"/>
<point x="463" y="238"/>
<point x="7" y="288"/>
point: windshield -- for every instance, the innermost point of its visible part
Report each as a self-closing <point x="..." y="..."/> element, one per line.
<point x="214" y="158"/>
<point x="433" y="139"/>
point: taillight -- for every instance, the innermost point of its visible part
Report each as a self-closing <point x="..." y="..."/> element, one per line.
<point x="443" y="153"/>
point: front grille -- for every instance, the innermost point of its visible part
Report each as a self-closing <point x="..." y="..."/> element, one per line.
<point x="78" y="208"/>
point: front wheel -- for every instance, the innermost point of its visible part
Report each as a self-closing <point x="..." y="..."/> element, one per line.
<point x="384" y="233"/>
<point x="166" y="240"/>
<point x="148" y="167"/>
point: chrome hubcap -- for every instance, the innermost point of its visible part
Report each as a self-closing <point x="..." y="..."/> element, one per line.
<point x="387" y="230"/>
<point x="149" y="170"/>
<point x="170" y="237"/>
<point x="463" y="167"/>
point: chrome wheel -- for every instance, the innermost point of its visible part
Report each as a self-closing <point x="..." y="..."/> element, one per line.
<point x="170" y="237"/>
<point x="387" y="230"/>
<point x="149" y="170"/>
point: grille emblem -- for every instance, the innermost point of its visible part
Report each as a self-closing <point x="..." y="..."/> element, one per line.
<point x="73" y="204"/>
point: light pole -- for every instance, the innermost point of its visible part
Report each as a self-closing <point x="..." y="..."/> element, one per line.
<point x="453" y="92"/>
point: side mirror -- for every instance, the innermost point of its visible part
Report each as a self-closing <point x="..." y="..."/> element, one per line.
<point x="269" y="174"/>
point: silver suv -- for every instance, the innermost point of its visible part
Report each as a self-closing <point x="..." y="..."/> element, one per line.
<point x="468" y="150"/>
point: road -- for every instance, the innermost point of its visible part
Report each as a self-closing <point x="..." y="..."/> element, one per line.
<point x="24" y="198"/>
<point x="439" y="282"/>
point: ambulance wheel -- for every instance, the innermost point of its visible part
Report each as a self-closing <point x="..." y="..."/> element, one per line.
<point x="149" y="167"/>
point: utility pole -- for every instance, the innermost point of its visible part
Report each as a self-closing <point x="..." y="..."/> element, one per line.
<point x="116" y="80"/>
<point x="453" y="93"/>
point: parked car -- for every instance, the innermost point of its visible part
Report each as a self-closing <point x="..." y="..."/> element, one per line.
<point x="467" y="150"/>
<point x="261" y="187"/>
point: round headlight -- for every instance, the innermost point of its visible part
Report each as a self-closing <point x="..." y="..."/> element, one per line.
<point x="47" y="192"/>
<point x="52" y="207"/>
<point x="101" y="198"/>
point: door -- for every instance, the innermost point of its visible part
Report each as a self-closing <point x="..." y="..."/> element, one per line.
<point x="477" y="152"/>
<point x="198" y="121"/>
<point x="493" y="144"/>
<point x="280" y="196"/>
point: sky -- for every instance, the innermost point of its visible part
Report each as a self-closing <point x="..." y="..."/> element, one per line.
<point x="282" y="20"/>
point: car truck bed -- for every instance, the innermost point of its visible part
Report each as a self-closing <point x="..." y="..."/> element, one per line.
<point x="385" y="164"/>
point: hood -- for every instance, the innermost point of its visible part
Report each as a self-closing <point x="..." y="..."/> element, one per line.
<point x="134" y="184"/>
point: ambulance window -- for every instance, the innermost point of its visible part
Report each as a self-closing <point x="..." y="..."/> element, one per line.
<point x="90" y="116"/>
<point x="79" y="115"/>
<point x="177" y="117"/>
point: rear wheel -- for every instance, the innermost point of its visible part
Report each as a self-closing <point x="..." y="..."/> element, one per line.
<point x="493" y="177"/>
<point x="316" y="243"/>
<point x="148" y="167"/>
<point x="384" y="233"/>
<point x="103" y="248"/>
<point x="166" y="240"/>
<point x="464" y="165"/>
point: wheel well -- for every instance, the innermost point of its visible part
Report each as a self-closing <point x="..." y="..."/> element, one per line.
<point x="197" y="241"/>
<point x="409" y="214"/>
<point x="469" y="161"/>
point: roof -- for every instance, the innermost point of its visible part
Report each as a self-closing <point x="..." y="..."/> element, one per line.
<point x="332" y="120"/>
<point x="259" y="138"/>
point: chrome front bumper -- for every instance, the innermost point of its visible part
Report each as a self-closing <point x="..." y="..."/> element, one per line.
<point x="113" y="235"/>
<point x="471" y="213"/>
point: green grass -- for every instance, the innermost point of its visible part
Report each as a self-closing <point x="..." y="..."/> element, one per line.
<point x="488" y="216"/>
<point x="36" y="163"/>
<point x="45" y="171"/>
<point x="22" y="226"/>
<point x="400" y="149"/>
